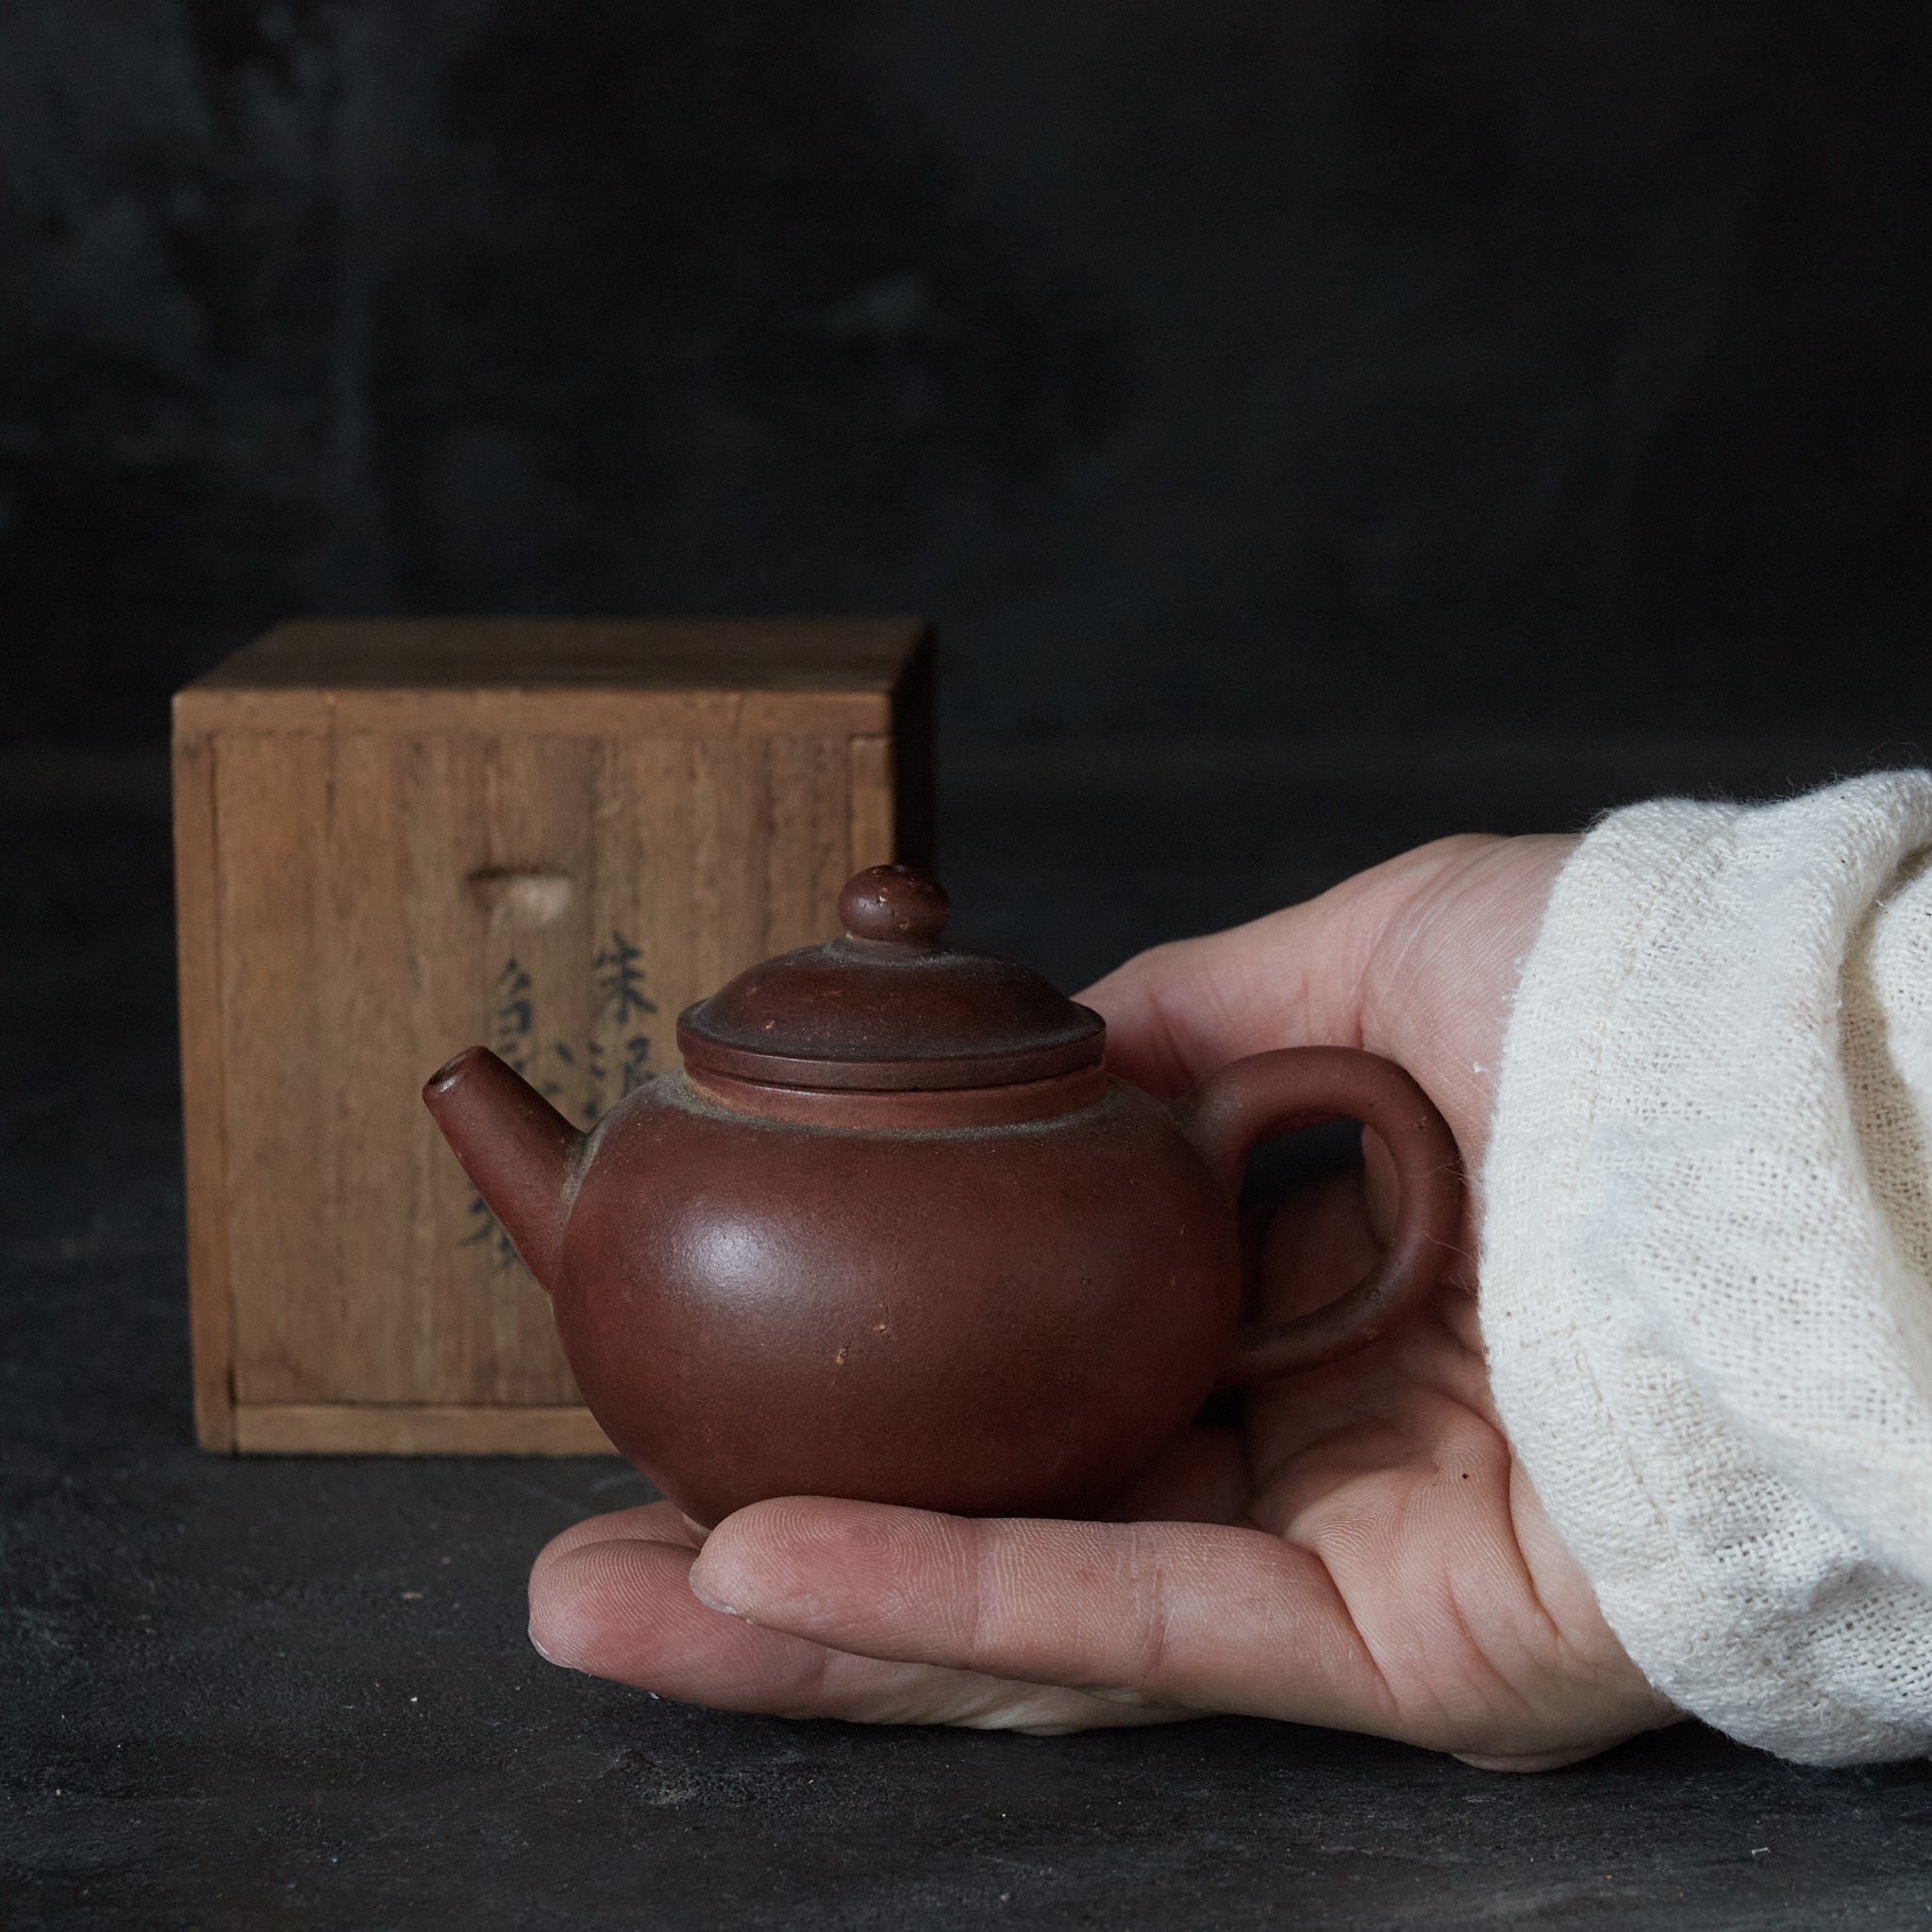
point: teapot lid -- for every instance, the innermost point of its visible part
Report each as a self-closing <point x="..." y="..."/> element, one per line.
<point x="888" y="1008"/>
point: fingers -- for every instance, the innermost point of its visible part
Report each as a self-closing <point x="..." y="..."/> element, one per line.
<point x="1294" y="979"/>
<point x="623" y="1608"/>
<point x="1205" y="1617"/>
<point x="648" y="1522"/>
<point x="1437" y="995"/>
<point x="1175" y="1013"/>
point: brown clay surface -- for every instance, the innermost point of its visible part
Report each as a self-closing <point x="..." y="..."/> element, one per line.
<point x="1003" y="1321"/>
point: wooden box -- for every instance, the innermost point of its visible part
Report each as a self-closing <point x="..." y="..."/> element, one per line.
<point x="394" y="839"/>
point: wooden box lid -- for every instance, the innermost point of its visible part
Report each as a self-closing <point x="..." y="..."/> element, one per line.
<point x="680" y="677"/>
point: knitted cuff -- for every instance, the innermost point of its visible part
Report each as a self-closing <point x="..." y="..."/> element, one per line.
<point x="1710" y="1348"/>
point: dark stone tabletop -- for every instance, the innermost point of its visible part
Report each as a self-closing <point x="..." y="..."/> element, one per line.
<point x="250" y="1692"/>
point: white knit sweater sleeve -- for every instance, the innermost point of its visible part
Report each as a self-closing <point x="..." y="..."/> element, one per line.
<point x="1707" y="1254"/>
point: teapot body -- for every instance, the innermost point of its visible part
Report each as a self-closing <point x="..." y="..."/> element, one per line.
<point x="893" y="1233"/>
<point x="986" y="1314"/>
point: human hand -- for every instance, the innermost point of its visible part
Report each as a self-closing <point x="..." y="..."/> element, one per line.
<point x="1362" y="1552"/>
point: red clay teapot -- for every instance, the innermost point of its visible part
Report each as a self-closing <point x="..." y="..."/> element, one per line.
<point x="895" y="1233"/>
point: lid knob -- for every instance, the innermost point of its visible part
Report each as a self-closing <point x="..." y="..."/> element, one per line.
<point x="887" y="1009"/>
<point x="894" y="902"/>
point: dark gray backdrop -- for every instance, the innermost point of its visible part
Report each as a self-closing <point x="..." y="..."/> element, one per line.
<point x="1495" y="374"/>
<point x="1202" y="367"/>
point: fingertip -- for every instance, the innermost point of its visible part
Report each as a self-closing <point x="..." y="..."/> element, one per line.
<point x="661" y="1522"/>
<point x="712" y="1596"/>
<point x="537" y="1645"/>
<point x="795" y="1560"/>
<point x="623" y="1609"/>
<point x="577" y="1598"/>
<point x="749" y="1564"/>
<point x="617" y="1608"/>
<point x="1141" y="1044"/>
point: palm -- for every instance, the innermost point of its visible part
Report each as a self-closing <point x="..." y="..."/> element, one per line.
<point x="1362" y="1551"/>
<point x="1470" y="1629"/>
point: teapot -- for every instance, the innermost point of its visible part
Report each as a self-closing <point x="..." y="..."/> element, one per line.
<point x="893" y="1232"/>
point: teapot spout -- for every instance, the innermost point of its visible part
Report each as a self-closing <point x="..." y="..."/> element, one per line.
<point x="522" y="1154"/>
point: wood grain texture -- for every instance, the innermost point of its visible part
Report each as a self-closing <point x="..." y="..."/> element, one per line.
<point x="874" y="831"/>
<point x="416" y="1430"/>
<point x="576" y="713"/>
<point x="565" y="677"/>
<point x="347" y="890"/>
<point x="357" y="904"/>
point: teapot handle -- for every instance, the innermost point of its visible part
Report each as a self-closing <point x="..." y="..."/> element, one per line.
<point x="1293" y="1088"/>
